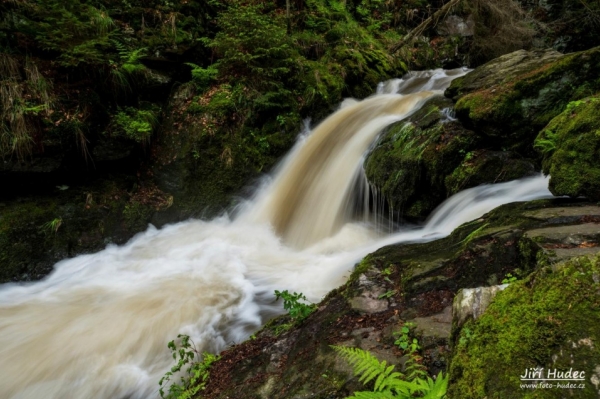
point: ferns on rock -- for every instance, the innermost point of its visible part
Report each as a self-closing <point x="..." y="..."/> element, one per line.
<point x="387" y="382"/>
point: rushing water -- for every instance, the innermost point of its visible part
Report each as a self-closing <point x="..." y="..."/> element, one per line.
<point x="98" y="326"/>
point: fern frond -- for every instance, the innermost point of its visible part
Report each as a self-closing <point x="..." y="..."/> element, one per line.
<point x="368" y="367"/>
<point x="365" y="364"/>
<point x="413" y="369"/>
<point x="436" y="389"/>
<point x="372" y="395"/>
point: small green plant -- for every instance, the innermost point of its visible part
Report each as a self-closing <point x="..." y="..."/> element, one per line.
<point x="509" y="279"/>
<point x="387" y="382"/>
<point x="402" y="337"/>
<point x="297" y="310"/>
<point x="546" y="142"/>
<point x="136" y="124"/>
<point x="203" y="77"/>
<point x="466" y="336"/>
<point x="412" y="367"/>
<point x="387" y="294"/>
<point x="53" y="225"/>
<point x="195" y="375"/>
<point x="574" y="104"/>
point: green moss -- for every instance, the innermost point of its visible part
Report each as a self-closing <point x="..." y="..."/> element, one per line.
<point x="549" y="320"/>
<point x="570" y="145"/>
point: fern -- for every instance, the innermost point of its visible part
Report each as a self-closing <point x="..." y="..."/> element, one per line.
<point x="546" y="142"/>
<point x="387" y="382"/>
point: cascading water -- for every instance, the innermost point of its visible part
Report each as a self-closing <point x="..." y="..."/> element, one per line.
<point x="98" y="326"/>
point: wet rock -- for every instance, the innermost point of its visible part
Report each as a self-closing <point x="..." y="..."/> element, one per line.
<point x="471" y="303"/>
<point x="501" y="71"/>
<point x="510" y="99"/>
<point x="482" y="166"/>
<point x="435" y="327"/>
<point x="565" y="215"/>
<point x="423" y="280"/>
<point x="564" y="242"/>
<point x="419" y="162"/>
<point x="411" y="160"/>
<point x="369" y="301"/>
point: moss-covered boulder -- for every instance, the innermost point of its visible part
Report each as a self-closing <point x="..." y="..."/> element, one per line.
<point x="420" y="161"/>
<point x="412" y="158"/>
<point x="510" y="99"/>
<point x="570" y="145"/>
<point x="548" y="322"/>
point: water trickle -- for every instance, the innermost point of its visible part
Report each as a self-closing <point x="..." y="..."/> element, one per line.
<point x="98" y="326"/>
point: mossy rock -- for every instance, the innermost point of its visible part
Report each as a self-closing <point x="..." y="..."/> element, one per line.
<point x="509" y="99"/>
<point x="422" y="160"/>
<point x="549" y="320"/>
<point x="411" y="160"/>
<point x="36" y="232"/>
<point x="481" y="166"/>
<point x="570" y="145"/>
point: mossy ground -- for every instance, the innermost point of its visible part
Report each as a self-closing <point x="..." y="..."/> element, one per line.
<point x="549" y="320"/>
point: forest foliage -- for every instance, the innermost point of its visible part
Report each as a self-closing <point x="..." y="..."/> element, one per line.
<point x="74" y="71"/>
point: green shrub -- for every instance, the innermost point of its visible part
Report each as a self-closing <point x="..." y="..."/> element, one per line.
<point x="298" y="311"/>
<point x="203" y="77"/>
<point x="196" y="373"/>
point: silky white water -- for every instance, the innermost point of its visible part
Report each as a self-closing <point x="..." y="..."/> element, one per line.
<point x="98" y="326"/>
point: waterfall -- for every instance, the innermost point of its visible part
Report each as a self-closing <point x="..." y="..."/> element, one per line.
<point x="98" y="326"/>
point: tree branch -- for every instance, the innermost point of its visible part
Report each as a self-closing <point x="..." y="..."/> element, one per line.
<point x="424" y="25"/>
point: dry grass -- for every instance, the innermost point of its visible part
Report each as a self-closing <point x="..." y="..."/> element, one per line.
<point x="501" y="26"/>
<point x="21" y="100"/>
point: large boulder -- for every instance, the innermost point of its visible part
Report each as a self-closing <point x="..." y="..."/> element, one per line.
<point x="420" y="161"/>
<point x="546" y="323"/>
<point x="570" y="145"/>
<point x="510" y="99"/>
<point x="412" y="158"/>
